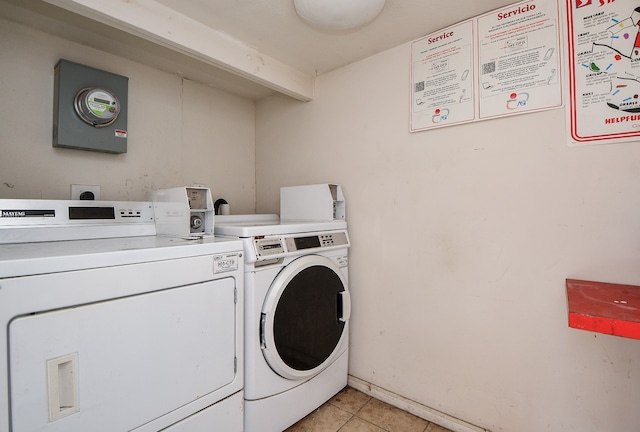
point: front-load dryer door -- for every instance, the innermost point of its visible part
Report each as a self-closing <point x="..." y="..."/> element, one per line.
<point x="304" y="317"/>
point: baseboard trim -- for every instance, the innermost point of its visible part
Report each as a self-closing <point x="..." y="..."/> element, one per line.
<point x="415" y="408"/>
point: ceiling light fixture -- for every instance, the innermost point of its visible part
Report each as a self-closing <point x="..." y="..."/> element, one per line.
<point x="338" y="15"/>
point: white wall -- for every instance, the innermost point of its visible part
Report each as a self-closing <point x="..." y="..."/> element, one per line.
<point x="462" y="240"/>
<point x="180" y="132"/>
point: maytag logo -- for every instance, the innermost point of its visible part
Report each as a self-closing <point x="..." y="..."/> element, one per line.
<point x="26" y="213"/>
<point x="13" y="213"/>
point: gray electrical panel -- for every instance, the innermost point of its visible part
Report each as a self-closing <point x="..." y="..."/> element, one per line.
<point x="89" y="108"/>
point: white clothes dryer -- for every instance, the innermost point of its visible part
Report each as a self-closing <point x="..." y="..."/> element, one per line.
<point x="297" y="308"/>
<point x="107" y="327"/>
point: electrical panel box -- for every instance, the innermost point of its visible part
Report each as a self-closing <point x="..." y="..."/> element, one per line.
<point x="185" y="212"/>
<point x="89" y="108"/>
<point x="322" y="202"/>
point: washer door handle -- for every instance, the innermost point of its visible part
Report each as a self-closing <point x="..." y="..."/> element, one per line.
<point x="345" y="301"/>
<point x="263" y="338"/>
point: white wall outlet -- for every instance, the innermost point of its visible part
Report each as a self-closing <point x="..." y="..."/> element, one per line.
<point x="85" y="192"/>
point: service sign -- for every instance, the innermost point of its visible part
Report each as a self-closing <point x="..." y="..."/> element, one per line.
<point x="519" y="55"/>
<point x="604" y="71"/>
<point x="502" y="63"/>
<point x="443" y="74"/>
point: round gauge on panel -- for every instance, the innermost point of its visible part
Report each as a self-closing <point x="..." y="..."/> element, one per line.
<point x="97" y="107"/>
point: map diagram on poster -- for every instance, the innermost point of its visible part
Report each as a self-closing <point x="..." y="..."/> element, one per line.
<point x="604" y="60"/>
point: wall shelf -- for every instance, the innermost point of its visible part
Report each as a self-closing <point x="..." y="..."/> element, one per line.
<point x="602" y="307"/>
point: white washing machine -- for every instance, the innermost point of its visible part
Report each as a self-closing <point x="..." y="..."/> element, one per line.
<point x="128" y="333"/>
<point x="297" y="308"/>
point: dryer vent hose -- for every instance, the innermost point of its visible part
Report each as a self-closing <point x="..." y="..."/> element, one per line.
<point x="217" y="204"/>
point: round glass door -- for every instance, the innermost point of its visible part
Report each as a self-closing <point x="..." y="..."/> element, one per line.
<point x="304" y="317"/>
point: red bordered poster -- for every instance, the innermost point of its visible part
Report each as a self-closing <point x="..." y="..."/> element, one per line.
<point x="604" y="71"/>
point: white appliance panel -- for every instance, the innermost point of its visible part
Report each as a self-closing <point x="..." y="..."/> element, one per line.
<point x="156" y="352"/>
<point x="224" y="416"/>
<point x="299" y="400"/>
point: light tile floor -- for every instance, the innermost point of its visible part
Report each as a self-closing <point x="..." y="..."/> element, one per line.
<point x="353" y="411"/>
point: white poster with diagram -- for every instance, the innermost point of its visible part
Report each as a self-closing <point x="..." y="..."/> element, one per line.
<point x="604" y="71"/>
<point x="520" y="59"/>
<point x="443" y="75"/>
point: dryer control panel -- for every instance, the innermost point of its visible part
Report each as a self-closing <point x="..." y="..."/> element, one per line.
<point x="26" y="221"/>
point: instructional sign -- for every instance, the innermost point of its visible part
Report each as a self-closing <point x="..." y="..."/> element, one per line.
<point x="443" y="75"/>
<point x="519" y="56"/>
<point x="604" y="75"/>
<point x="505" y="62"/>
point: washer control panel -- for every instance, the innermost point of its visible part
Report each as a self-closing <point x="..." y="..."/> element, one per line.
<point x="322" y="240"/>
<point x="267" y="247"/>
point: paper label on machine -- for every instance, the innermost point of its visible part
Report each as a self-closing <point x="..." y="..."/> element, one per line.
<point x="225" y="263"/>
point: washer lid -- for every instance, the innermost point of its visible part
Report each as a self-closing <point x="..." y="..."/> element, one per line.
<point x="269" y="224"/>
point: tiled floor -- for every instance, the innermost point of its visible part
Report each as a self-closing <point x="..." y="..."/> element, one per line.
<point x="353" y="411"/>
